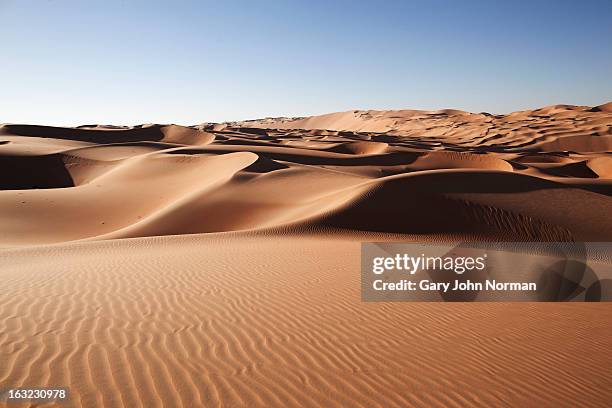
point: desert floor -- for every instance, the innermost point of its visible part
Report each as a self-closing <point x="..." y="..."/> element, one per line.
<point x="218" y="265"/>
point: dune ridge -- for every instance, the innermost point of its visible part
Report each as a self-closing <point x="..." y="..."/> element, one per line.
<point x="106" y="182"/>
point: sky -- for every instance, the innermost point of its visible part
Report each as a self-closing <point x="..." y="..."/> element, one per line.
<point x="130" y="62"/>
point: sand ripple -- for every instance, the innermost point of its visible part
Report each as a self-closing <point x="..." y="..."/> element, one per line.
<point x="198" y="321"/>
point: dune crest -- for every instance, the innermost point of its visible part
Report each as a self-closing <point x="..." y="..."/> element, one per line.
<point x="103" y="182"/>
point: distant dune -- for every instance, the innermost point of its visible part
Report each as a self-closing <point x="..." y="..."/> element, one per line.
<point x="352" y="172"/>
<point x="240" y="283"/>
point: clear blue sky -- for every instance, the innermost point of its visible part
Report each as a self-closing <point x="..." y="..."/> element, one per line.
<point x="129" y="62"/>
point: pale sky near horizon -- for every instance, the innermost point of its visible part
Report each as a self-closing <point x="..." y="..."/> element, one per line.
<point x="131" y="62"/>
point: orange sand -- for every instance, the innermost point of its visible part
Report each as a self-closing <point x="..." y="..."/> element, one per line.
<point x="239" y="285"/>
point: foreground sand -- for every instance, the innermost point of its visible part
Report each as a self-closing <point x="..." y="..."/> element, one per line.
<point x="234" y="321"/>
<point x="218" y="265"/>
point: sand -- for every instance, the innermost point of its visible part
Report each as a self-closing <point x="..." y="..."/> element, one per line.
<point x="218" y="265"/>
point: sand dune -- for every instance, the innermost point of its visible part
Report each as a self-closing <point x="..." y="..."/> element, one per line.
<point x="218" y="265"/>
<point x="102" y="182"/>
